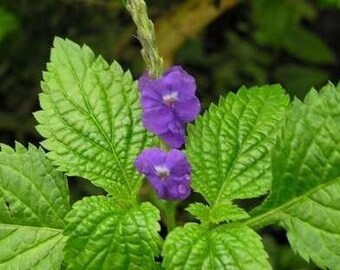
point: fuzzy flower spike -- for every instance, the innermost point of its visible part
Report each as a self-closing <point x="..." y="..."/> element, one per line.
<point x="169" y="103"/>
<point x="167" y="172"/>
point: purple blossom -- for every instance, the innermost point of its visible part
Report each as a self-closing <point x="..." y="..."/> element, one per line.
<point x="168" y="103"/>
<point x="167" y="172"/>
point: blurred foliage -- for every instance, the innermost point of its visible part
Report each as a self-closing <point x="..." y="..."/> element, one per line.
<point x="329" y="3"/>
<point x="282" y="257"/>
<point x="295" y="43"/>
<point x="266" y="41"/>
<point x="8" y="23"/>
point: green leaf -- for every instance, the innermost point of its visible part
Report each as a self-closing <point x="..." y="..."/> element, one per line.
<point x="225" y="247"/>
<point x="200" y="211"/>
<point x="25" y="247"/>
<point x="91" y="118"/>
<point x="105" y="235"/>
<point x="31" y="191"/>
<point x="229" y="146"/>
<point x="308" y="47"/>
<point x="33" y="203"/>
<point x="217" y="214"/>
<point x="313" y="226"/>
<point x="306" y="179"/>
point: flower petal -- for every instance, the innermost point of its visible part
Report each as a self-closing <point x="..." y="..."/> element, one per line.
<point x="177" y="79"/>
<point x="174" y="140"/>
<point x="148" y="159"/>
<point x="187" y="110"/>
<point x="157" y="120"/>
<point x="159" y="186"/>
<point x="184" y="191"/>
<point x="145" y="82"/>
<point x="176" y="126"/>
<point x="151" y="102"/>
<point x="176" y="185"/>
<point x="177" y="191"/>
<point x="178" y="164"/>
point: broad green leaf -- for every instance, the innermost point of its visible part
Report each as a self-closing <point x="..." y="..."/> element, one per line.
<point x="218" y="213"/>
<point x="105" y="235"/>
<point x="33" y="203"/>
<point x="91" y="118"/>
<point x="306" y="179"/>
<point x="313" y="226"/>
<point x="229" y="146"/>
<point x="225" y="247"/>
<point x="308" y="47"/>
<point x="26" y="247"/>
<point x="31" y="191"/>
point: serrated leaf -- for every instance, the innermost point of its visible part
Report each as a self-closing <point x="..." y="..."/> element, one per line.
<point x="226" y="212"/>
<point x="31" y="191"/>
<point x="200" y="211"/>
<point x="91" y="118"/>
<point x="104" y="235"/>
<point x="225" y="247"/>
<point x="223" y="212"/>
<point x="306" y="178"/>
<point x="26" y="248"/>
<point x="229" y="146"/>
<point x="313" y="226"/>
<point x="33" y="202"/>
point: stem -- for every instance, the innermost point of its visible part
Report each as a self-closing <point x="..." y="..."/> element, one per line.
<point x="170" y="215"/>
<point x="146" y="36"/>
<point x="163" y="145"/>
<point x="167" y="209"/>
<point x="261" y="221"/>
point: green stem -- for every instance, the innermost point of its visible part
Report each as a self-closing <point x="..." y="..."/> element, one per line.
<point x="146" y="36"/>
<point x="170" y="215"/>
<point x="163" y="145"/>
<point x="258" y="222"/>
<point x="167" y="209"/>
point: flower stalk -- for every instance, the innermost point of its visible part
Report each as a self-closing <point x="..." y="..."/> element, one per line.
<point x="146" y="36"/>
<point x="170" y="215"/>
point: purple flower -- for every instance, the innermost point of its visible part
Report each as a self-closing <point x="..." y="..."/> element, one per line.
<point x="168" y="103"/>
<point x="167" y="172"/>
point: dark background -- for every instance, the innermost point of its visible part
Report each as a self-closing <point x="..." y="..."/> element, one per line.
<point x="292" y="42"/>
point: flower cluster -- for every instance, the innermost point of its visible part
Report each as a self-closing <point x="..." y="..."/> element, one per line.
<point x="167" y="172"/>
<point x="168" y="103"/>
